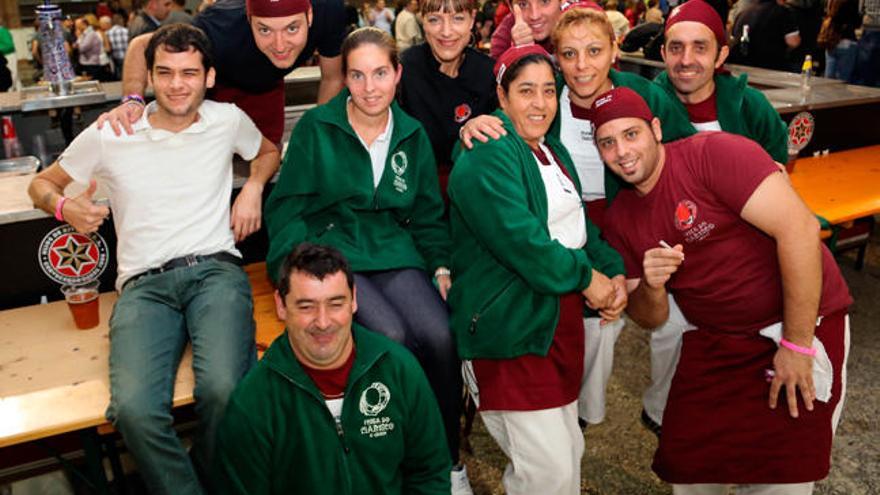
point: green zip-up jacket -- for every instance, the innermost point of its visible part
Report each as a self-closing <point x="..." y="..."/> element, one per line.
<point x="742" y="110"/>
<point x="325" y="195"/>
<point x="509" y="273"/>
<point x="674" y="125"/>
<point x="278" y="437"/>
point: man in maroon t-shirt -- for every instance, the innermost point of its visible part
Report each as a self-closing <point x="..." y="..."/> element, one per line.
<point x="531" y="21"/>
<point x="711" y="220"/>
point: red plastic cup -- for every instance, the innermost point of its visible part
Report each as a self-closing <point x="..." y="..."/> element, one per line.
<point x="83" y="303"/>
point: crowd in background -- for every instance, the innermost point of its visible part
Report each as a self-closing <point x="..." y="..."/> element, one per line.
<point x="842" y="37"/>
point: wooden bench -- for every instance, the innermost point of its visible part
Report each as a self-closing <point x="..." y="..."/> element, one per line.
<point x="55" y="379"/>
<point x="844" y="189"/>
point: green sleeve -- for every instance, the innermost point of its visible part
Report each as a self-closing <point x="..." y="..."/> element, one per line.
<point x="242" y="457"/>
<point x="426" y="462"/>
<point x="604" y="257"/>
<point x="766" y="126"/>
<point x="488" y="189"/>
<point x="290" y="197"/>
<point x="428" y="227"/>
<point x="7" y="45"/>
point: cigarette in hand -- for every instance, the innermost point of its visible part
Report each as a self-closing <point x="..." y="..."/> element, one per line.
<point x="665" y="244"/>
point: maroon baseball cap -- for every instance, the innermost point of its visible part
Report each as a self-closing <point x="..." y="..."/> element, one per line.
<point x="619" y="103"/>
<point x="513" y="54"/>
<point x="582" y="4"/>
<point x="698" y="11"/>
<point x="277" y="8"/>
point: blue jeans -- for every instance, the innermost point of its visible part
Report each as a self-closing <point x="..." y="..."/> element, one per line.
<point x="867" y="71"/>
<point x="404" y="306"/>
<point x="209" y="304"/>
<point x="840" y="62"/>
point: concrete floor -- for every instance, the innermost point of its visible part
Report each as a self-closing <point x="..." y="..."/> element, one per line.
<point x="619" y="451"/>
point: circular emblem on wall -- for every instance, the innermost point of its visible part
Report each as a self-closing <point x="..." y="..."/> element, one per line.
<point x="71" y="258"/>
<point x="800" y="130"/>
<point x="374" y="399"/>
<point x="462" y="112"/>
<point x="685" y="214"/>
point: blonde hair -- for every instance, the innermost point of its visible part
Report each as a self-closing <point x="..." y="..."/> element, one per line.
<point x="582" y="16"/>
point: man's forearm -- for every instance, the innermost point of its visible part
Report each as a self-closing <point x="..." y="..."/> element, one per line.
<point x="45" y="194"/>
<point x="265" y="164"/>
<point x="800" y="264"/>
<point x="331" y="78"/>
<point x="648" y="307"/>
<point x="134" y="70"/>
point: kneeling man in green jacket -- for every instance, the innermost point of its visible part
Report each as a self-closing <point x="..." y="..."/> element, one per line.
<point x="332" y="407"/>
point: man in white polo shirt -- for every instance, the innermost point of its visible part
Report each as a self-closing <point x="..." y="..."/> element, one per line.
<point x="169" y="185"/>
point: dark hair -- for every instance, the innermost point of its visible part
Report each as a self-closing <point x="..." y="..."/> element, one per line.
<point x="313" y="259"/>
<point x="511" y="72"/>
<point x="450" y="6"/>
<point x="177" y="38"/>
<point x="369" y="35"/>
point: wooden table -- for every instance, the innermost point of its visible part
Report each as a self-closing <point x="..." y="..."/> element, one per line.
<point x="842" y="186"/>
<point x="55" y="378"/>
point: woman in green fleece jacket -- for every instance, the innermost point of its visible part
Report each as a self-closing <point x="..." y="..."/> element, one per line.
<point x="360" y="175"/>
<point x="525" y="258"/>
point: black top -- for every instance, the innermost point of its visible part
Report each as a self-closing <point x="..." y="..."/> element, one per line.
<point x="238" y="61"/>
<point x="768" y="23"/>
<point x="442" y="104"/>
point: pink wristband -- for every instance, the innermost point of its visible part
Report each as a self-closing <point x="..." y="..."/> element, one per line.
<point x="809" y="351"/>
<point x="58" y="206"/>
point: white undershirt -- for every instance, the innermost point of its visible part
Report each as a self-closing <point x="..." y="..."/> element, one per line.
<point x="707" y="126"/>
<point x="379" y="149"/>
<point x="565" y="210"/>
<point x="577" y="137"/>
<point x="335" y="407"/>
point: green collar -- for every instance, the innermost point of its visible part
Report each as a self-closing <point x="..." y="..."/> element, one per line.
<point x="281" y="359"/>
<point x="334" y="113"/>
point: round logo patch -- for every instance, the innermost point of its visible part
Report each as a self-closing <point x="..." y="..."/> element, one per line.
<point x="374" y="399"/>
<point x="71" y="258"/>
<point x="685" y="214"/>
<point x="462" y="112"/>
<point x="800" y="130"/>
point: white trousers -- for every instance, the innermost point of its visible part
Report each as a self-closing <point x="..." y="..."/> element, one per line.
<point x="665" y="351"/>
<point x="598" y="363"/>
<point x="722" y="489"/>
<point x="544" y="448"/>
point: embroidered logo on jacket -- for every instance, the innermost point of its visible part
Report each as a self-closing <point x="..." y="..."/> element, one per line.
<point x="373" y="401"/>
<point x="398" y="166"/>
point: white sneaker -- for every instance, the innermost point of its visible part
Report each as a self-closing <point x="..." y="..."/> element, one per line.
<point x="459" y="479"/>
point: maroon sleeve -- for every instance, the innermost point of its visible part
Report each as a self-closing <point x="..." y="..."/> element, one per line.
<point x="732" y="167"/>
<point x="615" y="218"/>
<point x="501" y="39"/>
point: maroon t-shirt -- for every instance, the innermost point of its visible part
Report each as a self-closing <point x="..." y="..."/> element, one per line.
<point x="730" y="280"/>
<point x="704" y="111"/>
<point x="331" y="383"/>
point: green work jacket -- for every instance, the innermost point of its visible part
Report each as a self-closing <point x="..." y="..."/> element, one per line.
<point x="278" y="436"/>
<point x="508" y="272"/>
<point x="742" y="110"/>
<point x="325" y="195"/>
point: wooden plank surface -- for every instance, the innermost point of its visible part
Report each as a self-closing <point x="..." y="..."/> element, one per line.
<point x="54" y="378"/>
<point x="841" y="186"/>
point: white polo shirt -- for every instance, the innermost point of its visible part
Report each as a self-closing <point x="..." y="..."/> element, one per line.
<point x="169" y="192"/>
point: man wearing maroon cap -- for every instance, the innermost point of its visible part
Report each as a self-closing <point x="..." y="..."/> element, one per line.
<point x="255" y="43"/>
<point x="711" y="99"/>
<point x="711" y="220"/>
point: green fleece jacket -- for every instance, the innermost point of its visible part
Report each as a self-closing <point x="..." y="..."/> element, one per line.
<point x="508" y="272"/>
<point x="325" y="195"/>
<point x="675" y="126"/>
<point x="741" y="110"/>
<point x="278" y="437"/>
